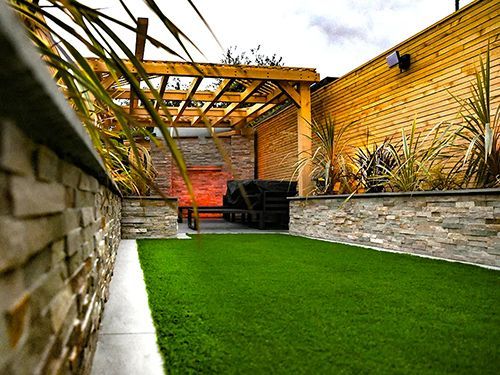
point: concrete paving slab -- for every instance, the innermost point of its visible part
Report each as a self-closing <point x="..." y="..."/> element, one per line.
<point x="222" y="226"/>
<point x="127" y="354"/>
<point x="127" y="338"/>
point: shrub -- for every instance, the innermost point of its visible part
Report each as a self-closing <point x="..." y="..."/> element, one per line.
<point x="371" y="163"/>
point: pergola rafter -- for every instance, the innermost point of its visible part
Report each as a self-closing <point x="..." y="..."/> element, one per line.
<point x="217" y="95"/>
<point x="202" y="108"/>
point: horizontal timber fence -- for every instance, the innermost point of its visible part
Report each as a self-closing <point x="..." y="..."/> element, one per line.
<point x="59" y="220"/>
<point x="373" y="97"/>
<point x="455" y="225"/>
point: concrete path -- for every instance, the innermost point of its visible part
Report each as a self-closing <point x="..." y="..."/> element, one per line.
<point x="127" y="338"/>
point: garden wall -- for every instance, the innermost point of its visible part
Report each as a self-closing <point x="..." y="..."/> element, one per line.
<point x="149" y="217"/>
<point x="458" y="225"/>
<point x="384" y="100"/>
<point x="59" y="220"/>
<point x="208" y="170"/>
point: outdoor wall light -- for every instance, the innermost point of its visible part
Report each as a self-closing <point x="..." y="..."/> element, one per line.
<point x="403" y="61"/>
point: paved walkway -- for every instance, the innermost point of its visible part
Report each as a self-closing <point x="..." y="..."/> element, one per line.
<point x="127" y="339"/>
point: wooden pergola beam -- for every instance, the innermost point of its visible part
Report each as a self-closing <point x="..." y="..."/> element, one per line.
<point x="191" y="91"/>
<point x="224" y="85"/>
<point x="108" y="81"/>
<point x="185" y="69"/>
<point x="289" y="91"/>
<point x="201" y="96"/>
<point x="161" y="93"/>
<point x="140" y="46"/>
<point x="254" y="86"/>
<point x="258" y="109"/>
<point x="304" y="141"/>
<point x="236" y="113"/>
<point x="145" y="121"/>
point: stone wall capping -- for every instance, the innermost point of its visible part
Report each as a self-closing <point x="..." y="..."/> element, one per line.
<point x="488" y="191"/>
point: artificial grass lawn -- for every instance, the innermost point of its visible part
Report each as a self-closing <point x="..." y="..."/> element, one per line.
<point x="280" y="304"/>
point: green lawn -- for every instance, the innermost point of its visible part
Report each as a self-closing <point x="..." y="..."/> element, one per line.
<point x="266" y="304"/>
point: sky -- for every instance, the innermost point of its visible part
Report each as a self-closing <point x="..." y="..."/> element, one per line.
<point x="333" y="36"/>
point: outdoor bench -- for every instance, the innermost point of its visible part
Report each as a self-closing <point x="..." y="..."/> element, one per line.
<point x="228" y="213"/>
<point x="181" y="209"/>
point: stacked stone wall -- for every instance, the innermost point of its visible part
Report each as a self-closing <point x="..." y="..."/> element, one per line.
<point x="463" y="226"/>
<point x="148" y="217"/>
<point x="59" y="233"/>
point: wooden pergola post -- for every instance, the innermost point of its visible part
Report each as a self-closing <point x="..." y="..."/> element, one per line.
<point x="304" y="137"/>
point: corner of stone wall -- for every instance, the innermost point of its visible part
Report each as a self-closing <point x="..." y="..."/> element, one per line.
<point x="149" y="217"/>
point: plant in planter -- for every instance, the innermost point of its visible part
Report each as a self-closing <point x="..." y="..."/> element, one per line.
<point x="481" y="132"/>
<point x="332" y="170"/>
<point x="372" y="164"/>
<point x="418" y="154"/>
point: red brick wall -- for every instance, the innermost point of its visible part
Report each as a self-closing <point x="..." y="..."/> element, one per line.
<point x="209" y="184"/>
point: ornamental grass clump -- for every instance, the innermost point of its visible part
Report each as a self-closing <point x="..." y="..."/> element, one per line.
<point x="418" y="154"/>
<point x="372" y="163"/>
<point x="481" y="133"/>
<point x="331" y="167"/>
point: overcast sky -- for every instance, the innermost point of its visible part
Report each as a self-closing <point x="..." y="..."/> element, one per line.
<point x="333" y="36"/>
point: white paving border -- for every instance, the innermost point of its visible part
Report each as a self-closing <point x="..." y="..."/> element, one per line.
<point x="126" y="343"/>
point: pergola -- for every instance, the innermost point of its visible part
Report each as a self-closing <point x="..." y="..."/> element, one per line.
<point x="263" y="88"/>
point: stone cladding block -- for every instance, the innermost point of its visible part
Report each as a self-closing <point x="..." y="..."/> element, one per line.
<point x="34" y="198"/>
<point x="15" y="150"/>
<point x="47" y="165"/>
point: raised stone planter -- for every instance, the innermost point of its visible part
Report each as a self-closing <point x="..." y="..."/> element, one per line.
<point x="149" y="217"/>
<point x="458" y="225"/>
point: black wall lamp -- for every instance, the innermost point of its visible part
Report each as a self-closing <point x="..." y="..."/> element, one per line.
<point x="403" y="61"/>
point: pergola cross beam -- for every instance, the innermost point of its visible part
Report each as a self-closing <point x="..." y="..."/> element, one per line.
<point x="191" y="91"/>
<point x="163" y="86"/>
<point x="254" y="86"/>
<point x="200" y="95"/>
<point x="185" y="69"/>
<point x="224" y="85"/>
<point x="289" y="91"/>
